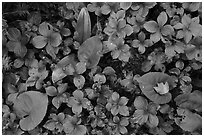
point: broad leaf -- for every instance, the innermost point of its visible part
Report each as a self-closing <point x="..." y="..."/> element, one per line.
<point x="147" y="83"/>
<point x="31" y="106"/>
<point x="89" y="51"/>
<point x="83" y="26"/>
<point x="190" y="122"/>
<point x="192" y="101"/>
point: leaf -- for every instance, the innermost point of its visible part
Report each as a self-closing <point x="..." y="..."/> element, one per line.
<point x="51" y="91"/>
<point x="148" y="81"/>
<point x="18" y="63"/>
<point x="50" y="125"/>
<point x="14" y="34"/>
<point x="58" y="74"/>
<point x="192" y="101"/>
<point x="83" y="26"/>
<point x="89" y="52"/>
<point x="39" y="42"/>
<point x="151" y="26"/>
<point x="162" y="18"/>
<point x="156" y="37"/>
<point x="20" y="50"/>
<point x="54" y="39"/>
<point x="115" y="96"/>
<point x="80" y="67"/>
<point x="62" y="88"/>
<point x="66" y="32"/>
<point x="45" y="29"/>
<point x="56" y="101"/>
<point x="140" y="116"/>
<point x="108" y="71"/>
<point x="35" y="18"/>
<point x="140" y="103"/>
<point x="125" y="5"/>
<point x="123" y="110"/>
<point x="153" y="121"/>
<point x="32" y="104"/>
<point x="99" y="78"/>
<point x="80" y="130"/>
<point x="79" y="81"/>
<point x="190" y="122"/>
<point x="30" y="81"/>
<point x="146" y="66"/>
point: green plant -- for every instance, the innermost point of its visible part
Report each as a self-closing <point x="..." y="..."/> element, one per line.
<point x="77" y="102"/>
<point x="190" y="27"/>
<point x="89" y="52"/>
<point x="117" y="105"/>
<point x="55" y="122"/>
<point x="145" y="113"/>
<point x="156" y="85"/>
<point x="31" y="108"/>
<point x="72" y="126"/>
<point x="141" y="43"/>
<point x="117" y="24"/>
<point x="159" y="29"/>
<point x="17" y="42"/>
<point x="48" y="38"/>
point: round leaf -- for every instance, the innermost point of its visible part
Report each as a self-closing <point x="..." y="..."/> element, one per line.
<point x="79" y="81"/>
<point x="140" y="103"/>
<point x="39" y="42"/>
<point x="51" y="91"/>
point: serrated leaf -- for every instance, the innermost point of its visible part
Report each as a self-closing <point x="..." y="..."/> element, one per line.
<point x="83" y="26"/>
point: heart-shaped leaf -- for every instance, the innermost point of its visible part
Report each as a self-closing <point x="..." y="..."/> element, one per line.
<point x="83" y="26"/>
<point x="148" y="81"/>
<point x="31" y="106"/>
